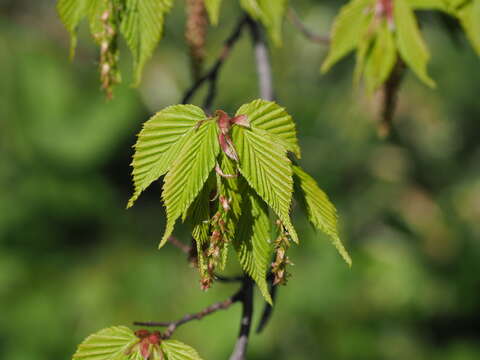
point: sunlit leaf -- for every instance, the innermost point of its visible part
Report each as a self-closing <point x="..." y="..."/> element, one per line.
<point x="189" y="172"/>
<point x="142" y="27"/>
<point x="410" y="42"/>
<point x="71" y="13"/>
<point x="348" y="29"/>
<point x="252" y="242"/>
<point x="213" y="9"/>
<point x="321" y="212"/>
<point x="176" y="350"/>
<point x="159" y="143"/>
<point x="107" y="344"/>
<point x="265" y="166"/>
<point x="381" y="59"/>
<point x="269" y="116"/>
<point x="469" y="16"/>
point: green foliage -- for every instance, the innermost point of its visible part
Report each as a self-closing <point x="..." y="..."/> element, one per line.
<point x="469" y="16"/>
<point x="108" y="344"/>
<point x="213" y="9"/>
<point x="379" y="30"/>
<point x="270" y="13"/>
<point x="142" y="28"/>
<point x="121" y="343"/>
<point x="176" y="350"/>
<point x="321" y="212"/>
<point x="409" y="41"/>
<point x="231" y="204"/>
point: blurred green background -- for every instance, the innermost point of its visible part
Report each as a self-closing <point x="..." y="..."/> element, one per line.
<point x="73" y="260"/>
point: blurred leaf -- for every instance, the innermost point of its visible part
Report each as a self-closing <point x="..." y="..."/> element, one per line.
<point x="107" y="344"/>
<point x="142" y="28"/>
<point x="71" y="13"/>
<point x="469" y="16"/>
<point x="213" y="9"/>
<point x="160" y="141"/>
<point x="410" y="42"/>
<point x="428" y="4"/>
<point x="381" y="59"/>
<point x="348" y="29"/>
<point x="321" y="212"/>
<point x="270" y="13"/>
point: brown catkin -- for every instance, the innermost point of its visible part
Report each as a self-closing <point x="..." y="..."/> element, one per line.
<point x="196" y="33"/>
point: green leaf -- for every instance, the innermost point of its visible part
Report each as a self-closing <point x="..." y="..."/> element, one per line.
<point x="381" y="59"/>
<point x="349" y="28"/>
<point x="269" y="116"/>
<point x="321" y="212"/>
<point x="252" y="242"/>
<point x="107" y="344"/>
<point x="189" y="172"/>
<point x="410" y="42"/>
<point x="265" y="166"/>
<point x="428" y="4"/>
<point x="142" y="27"/>
<point x="469" y="16"/>
<point x="176" y="350"/>
<point x="270" y="13"/>
<point x="71" y="13"/>
<point x="213" y="10"/>
<point x="159" y="143"/>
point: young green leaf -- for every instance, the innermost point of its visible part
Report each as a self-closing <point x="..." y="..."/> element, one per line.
<point x="270" y="13"/>
<point x="269" y="116"/>
<point x="252" y="242"/>
<point x="71" y="13"/>
<point x="159" y="143"/>
<point x="320" y="210"/>
<point x="189" y="172"/>
<point x="469" y="16"/>
<point x="176" y="350"/>
<point x="348" y="29"/>
<point x="213" y="10"/>
<point x="142" y="28"/>
<point x="265" y="166"/>
<point x="410" y="42"/>
<point x="381" y="59"/>
<point x="428" y="4"/>
<point x="107" y="344"/>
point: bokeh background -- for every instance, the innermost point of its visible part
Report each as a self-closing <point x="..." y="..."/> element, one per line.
<point x="73" y="260"/>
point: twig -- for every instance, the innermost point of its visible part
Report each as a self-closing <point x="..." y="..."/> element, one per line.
<point x="262" y="59"/>
<point x="240" y="350"/>
<point x="212" y="74"/>
<point x="268" y="309"/>
<point x="173" y="325"/>
<point x="309" y="34"/>
<point x="177" y="243"/>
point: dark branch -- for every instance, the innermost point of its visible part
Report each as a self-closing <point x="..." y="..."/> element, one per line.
<point x="212" y="74"/>
<point x="177" y="243"/>
<point x="262" y="60"/>
<point x="240" y="350"/>
<point x="268" y="309"/>
<point x="309" y="34"/>
<point x="173" y="325"/>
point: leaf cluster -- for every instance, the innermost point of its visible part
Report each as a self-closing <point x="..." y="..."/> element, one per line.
<point x="382" y="32"/>
<point x="121" y="343"/>
<point x="232" y="180"/>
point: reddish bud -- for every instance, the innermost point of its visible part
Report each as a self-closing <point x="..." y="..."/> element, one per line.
<point x="241" y="120"/>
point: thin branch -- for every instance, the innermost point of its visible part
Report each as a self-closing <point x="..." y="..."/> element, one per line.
<point x="268" y="309"/>
<point x="212" y="74"/>
<point x="262" y="59"/>
<point x="177" y="243"/>
<point x="309" y="34"/>
<point x="173" y="325"/>
<point x="240" y="350"/>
